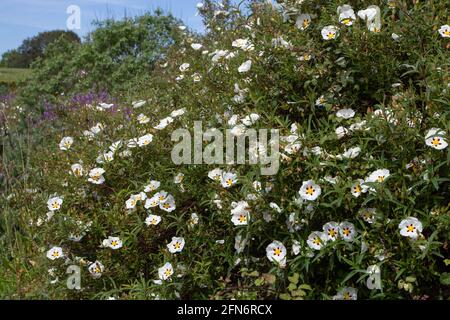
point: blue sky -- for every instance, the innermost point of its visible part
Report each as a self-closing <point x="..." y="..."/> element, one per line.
<point x="20" y="19"/>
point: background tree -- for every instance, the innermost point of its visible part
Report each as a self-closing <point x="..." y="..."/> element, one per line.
<point x="33" y="48"/>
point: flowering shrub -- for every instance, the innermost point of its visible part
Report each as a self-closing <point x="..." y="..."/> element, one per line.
<point x="358" y="208"/>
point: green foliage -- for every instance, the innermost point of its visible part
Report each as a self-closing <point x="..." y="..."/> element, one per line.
<point x="115" y="57"/>
<point x="33" y="48"/>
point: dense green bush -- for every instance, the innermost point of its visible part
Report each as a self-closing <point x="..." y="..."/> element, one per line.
<point x="116" y="56"/>
<point x="362" y="109"/>
<point x="33" y="48"/>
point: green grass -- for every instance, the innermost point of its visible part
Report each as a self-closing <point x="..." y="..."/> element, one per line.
<point x="13" y="75"/>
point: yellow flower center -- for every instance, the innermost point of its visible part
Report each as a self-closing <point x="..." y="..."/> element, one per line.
<point x="332" y="232"/>
<point x="55" y="254"/>
<point x="357" y="189"/>
<point x="166" y="205"/>
<point x="305" y="24"/>
<point x="114" y="243"/>
<point x="380" y="178"/>
<point x="410" y="228"/>
<point x="177" y="245"/>
<point x="330" y="35"/>
<point x="55" y="205"/>
<point x="317" y="241"/>
<point x="347" y="21"/>
<point x="277" y="252"/>
<point x="168" y="272"/>
<point x="436" y="141"/>
<point x="346" y="232"/>
<point x="229" y="182"/>
<point x="242" y="218"/>
<point x="447" y="32"/>
<point x="310" y="190"/>
<point x="347" y="296"/>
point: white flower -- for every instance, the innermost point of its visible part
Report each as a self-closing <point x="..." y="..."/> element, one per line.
<point x="352" y="153"/>
<point x="184" y="67"/>
<point x="215" y="174"/>
<point x="152" y="202"/>
<point x="143" y="119"/>
<point x="113" y="243"/>
<point x="176" y="245"/>
<point x="341" y="132"/>
<point x="276" y="252"/>
<point x="239" y="243"/>
<point x="373" y="17"/>
<point x="55" y="253"/>
<point x="152" y="220"/>
<point x="163" y="123"/>
<point x="162" y="196"/>
<point x="347" y="231"/>
<point x="357" y="188"/>
<point x="228" y="179"/>
<point x="250" y="119"/>
<point x="66" y="143"/>
<point x="245" y="67"/>
<point x="194" y="219"/>
<point x="152" y="186"/>
<point x="104" y="106"/>
<point x="357" y="126"/>
<point x="196" y="77"/>
<point x="243" y="44"/>
<point x="368" y="214"/>
<point x="178" y="112"/>
<point x="241" y="218"/>
<point x="310" y="190"/>
<point x="131" y="202"/>
<point x="374" y="279"/>
<point x="96" y="269"/>
<point x="320" y="102"/>
<point x="178" y="178"/>
<point x="395" y="36"/>
<point x="166" y="271"/>
<point x="410" y="227"/>
<point x="303" y="21"/>
<point x="96" y="176"/>
<point x="444" y="31"/>
<point x="240" y="214"/>
<point x="378" y="175"/>
<point x="316" y="240"/>
<point x="115" y="146"/>
<point x="296" y="247"/>
<point x="329" y="33"/>
<point x="238" y="130"/>
<point x="345" y="113"/>
<point x="196" y="46"/>
<point x="145" y="140"/>
<point x="435" y="139"/>
<point x="346" y="293"/>
<point x="274" y="206"/>
<point x="346" y="15"/>
<point x="54" y="203"/>
<point x="168" y="204"/>
<point x="331" y="230"/>
<point x="138" y="104"/>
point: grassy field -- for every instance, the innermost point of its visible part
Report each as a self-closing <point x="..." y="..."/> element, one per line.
<point x="12" y="75"/>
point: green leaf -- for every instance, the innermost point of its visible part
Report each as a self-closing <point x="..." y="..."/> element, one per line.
<point x="294" y="278"/>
